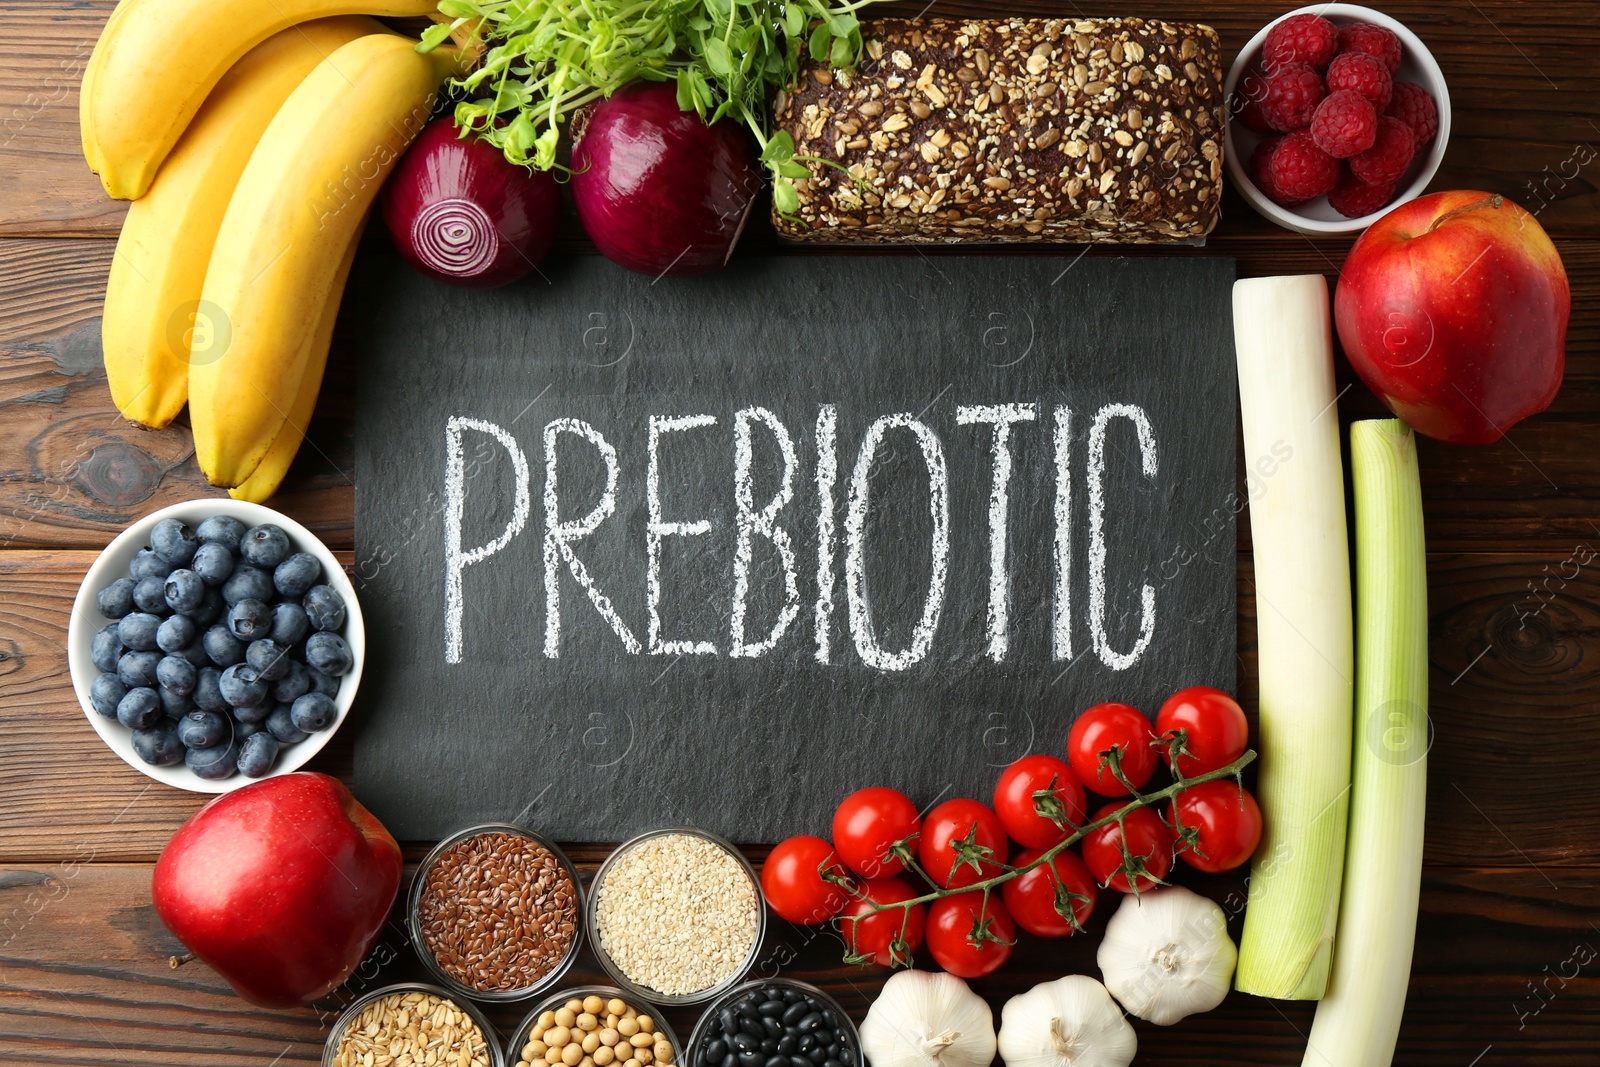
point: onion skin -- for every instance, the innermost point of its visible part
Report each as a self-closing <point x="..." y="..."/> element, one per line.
<point x="658" y="190"/>
<point x="460" y="212"/>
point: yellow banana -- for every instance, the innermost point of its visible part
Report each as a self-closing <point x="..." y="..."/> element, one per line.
<point x="152" y="297"/>
<point x="296" y="209"/>
<point x="156" y="61"/>
<point x="268" y="475"/>
<point x="91" y="151"/>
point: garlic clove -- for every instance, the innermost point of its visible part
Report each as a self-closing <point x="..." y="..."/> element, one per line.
<point x="1070" y="1022"/>
<point x="1166" y="954"/>
<point x="928" y="1019"/>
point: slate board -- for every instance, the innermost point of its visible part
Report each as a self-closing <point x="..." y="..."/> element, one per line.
<point x="597" y="742"/>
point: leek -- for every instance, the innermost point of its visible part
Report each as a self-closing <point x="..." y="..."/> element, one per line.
<point x="1302" y="585"/>
<point x="1359" y="1019"/>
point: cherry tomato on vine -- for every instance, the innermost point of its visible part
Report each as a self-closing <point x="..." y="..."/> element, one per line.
<point x="874" y="935"/>
<point x="1031" y="897"/>
<point x="950" y="927"/>
<point x="944" y="834"/>
<point x="1102" y="728"/>
<point x="792" y="884"/>
<point x="1215" y="731"/>
<point x="1149" y="840"/>
<point x="868" y="823"/>
<point x="1229" y="822"/>
<point x="1014" y="800"/>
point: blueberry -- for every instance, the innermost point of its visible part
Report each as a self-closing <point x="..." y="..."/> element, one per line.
<point x="256" y="714"/>
<point x="325" y="684"/>
<point x="138" y="668"/>
<point x="329" y="654"/>
<point x="203" y="729"/>
<point x="297" y="574"/>
<point x="224" y="649"/>
<point x="176" y="674"/>
<point x="150" y="594"/>
<point x="105" y="693"/>
<point x="213" y="563"/>
<point x="312" y="712"/>
<point x="289" y="623"/>
<point x="257" y="755"/>
<point x="247" y="583"/>
<point x="214" y="764"/>
<point x="265" y="545"/>
<point x="175" y="634"/>
<point x="106" y="647"/>
<point x="281" y="724"/>
<point x="146" y="564"/>
<point x="295" y="683"/>
<point x="174" y="705"/>
<point x="138" y="632"/>
<point x="195" y="653"/>
<point x="184" y="591"/>
<point x="158" y="745"/>
<point x="173" y="542"/>
<point x="270" y="659"/>
<point x="224" y="530"/>
<point x="208" y="690"/>
<point x="241" y="688"/>
<point x="139" y="707"/>
<point x="242" y="730"/>
<point x="324" y="607"/>
<point x="210" y="609"/>
<point x="249" y="620"/>
<point x="116" y="599"/>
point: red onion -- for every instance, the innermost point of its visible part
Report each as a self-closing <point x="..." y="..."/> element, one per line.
<point x="657" y="189"/>
<point x="460" y="212"/>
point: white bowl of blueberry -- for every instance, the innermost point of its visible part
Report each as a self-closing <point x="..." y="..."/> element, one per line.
<point x="215" y="642"/>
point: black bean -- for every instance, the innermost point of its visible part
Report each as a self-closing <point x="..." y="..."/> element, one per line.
<point x="833" y="1051"/>
<point x="791" y="995"/>
<point x="787" y="1043"/>
<point x="751" y="1026"/>
<point x="751" y="1059"/>
<point x="808" y="1042"/>
<point x="729" y="1021"/>
<point x="745" y="1042"/>
<point x="769" y="1046"/>
<point x="800" y="1061"/>
<point x="810" y="1022"/>
<point x="793" y="1013"/>
<point x="773" y="1027"/>
<point x="731" y="1060"/>
<point x="772" y="1008"/>
<point x="777" y="1061"/>
<point x="750" y="1007"/>
<point x="716" y="1049"/>
<point x="825" y="1063"/>
<point x="772" y="992"/>
<point x="817" y="1054"/>
<point x="846" y="1057"/>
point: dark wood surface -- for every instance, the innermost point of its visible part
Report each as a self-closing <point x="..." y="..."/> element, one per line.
<point x="1511" y="886"/>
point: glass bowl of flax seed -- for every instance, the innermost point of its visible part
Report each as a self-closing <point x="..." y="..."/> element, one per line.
<point x="496" y="913"/>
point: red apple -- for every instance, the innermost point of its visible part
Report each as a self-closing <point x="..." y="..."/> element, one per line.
<point x="282" y="886"/>
<point x="1453" y="309"/>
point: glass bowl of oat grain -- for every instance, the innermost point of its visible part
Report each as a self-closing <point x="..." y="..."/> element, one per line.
<point x="675" y="917"/>
<point x="409" y="1022"/>
<point x="496" y="913"/>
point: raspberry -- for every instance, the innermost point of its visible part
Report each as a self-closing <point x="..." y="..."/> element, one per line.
<point x="1261" y="166"/>
<point x="1389" y="155"/>
<point x="1344" y="124"/>
<point x="1299" y="171"/>
<point x="1413" y="106"/>
<point x="1373" y="40"/>
<point x="1309" y="39"/>
<point x="1292" y="94"/>
<point x="1361" y="73"/>
<point x="1354" y="198"/>
<point x="1247" y="103"/>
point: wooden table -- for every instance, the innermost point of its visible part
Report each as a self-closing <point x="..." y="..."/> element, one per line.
<point x="1508" y="946"/>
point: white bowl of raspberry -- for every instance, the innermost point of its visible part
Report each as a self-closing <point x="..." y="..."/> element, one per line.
<point x="1336" y="114"/>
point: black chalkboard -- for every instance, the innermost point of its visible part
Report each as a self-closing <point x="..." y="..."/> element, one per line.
<point x="707" y="663"/>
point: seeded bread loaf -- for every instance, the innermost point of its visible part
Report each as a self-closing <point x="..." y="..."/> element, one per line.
<point x="1012" y="130"/>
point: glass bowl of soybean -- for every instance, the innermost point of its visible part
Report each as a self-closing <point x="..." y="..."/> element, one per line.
<point x="795" y="1019"/>
<point x="610" y="1030"/>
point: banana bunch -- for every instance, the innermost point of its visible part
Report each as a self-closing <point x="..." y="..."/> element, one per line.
<point x="254" y="135"/>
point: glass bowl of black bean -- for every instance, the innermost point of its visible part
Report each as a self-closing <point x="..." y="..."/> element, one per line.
<point x="757" y="1021"/>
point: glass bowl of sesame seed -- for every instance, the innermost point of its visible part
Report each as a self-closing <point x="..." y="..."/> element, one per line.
<point x="496" y="913"/>
<point x="409" y="1022"/>
<point x="600" y="1022"/>
<point x="675" y="916"/>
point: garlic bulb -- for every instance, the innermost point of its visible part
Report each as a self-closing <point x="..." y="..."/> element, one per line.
<point x="1071" y="1022"/>
<point x="1167" y="954"/>
<point x="928" y="1019"/>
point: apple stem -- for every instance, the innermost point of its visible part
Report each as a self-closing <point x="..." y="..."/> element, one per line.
<point x="178" y="961"/>
<point x="1493" y="200"/>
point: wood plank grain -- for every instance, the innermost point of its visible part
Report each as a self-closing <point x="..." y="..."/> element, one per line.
<point x="1510" y="666"/>
<point x="84" y="979"/>
<point x="1519" y="78"/>
<point x="72" y="473"/>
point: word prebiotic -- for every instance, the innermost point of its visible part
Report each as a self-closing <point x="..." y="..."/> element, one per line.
<point x="833" y="519"/>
